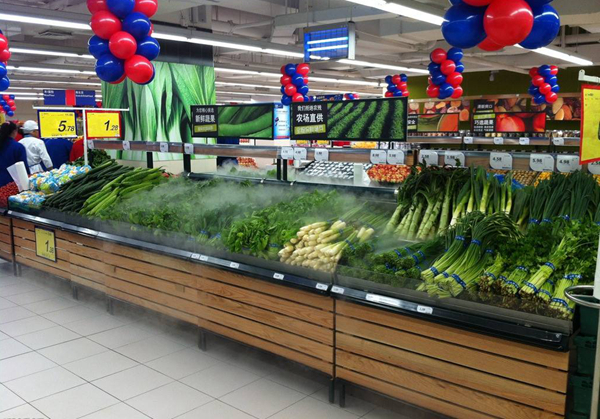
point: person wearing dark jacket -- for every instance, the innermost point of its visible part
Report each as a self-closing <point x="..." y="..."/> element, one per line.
<point x="11" y="152"/>
<point x="59" y="150"/>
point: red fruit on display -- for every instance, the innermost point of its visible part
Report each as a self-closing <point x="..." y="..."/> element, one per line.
<point x="455" y="79"/>
<point x="105" y="24"/>
<point x="303" y="69"/>
<point x="139" y="69"/>
<point x="458" y="92"/>
<point x="509" y="123"/>
<point x="489" y="45"/>
<point x="508" y="22"/>
<point x="538" y="80"/>
<point x="122" y="45"/>
<point x="147" y="7"/>
<point x="95" y="6"/>
<point x="290" y="90"/>
<point x="438" y="56"/>
<point x="5" y="56"/>
<point x="448" y="67"/>
<point x="298" y="98"/>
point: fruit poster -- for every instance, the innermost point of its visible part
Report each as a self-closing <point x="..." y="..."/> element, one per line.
<point x="509" y="122"/>
<point x="442" y="123"/>
<point x="590" y="125"/>
<point x="460" y="107"/>
<point x="566" y="108"/>
<point x="513" y="104"/>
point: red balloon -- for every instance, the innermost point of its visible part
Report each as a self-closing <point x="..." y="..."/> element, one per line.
<point x="303" y="69"/>
<point x="458" y="92"/>
<point x="122" y="45"/>
<point x="95" y="6"/>
<point x="533" y="72"/>
<point x="356" y="96"/>
<point x="448" y="67"/>
<point x="396" y="79"/>
<point x="551" y="97"/>
<point x="5" y="56"/>
<point x="290" y="90"/>
<point x="3" y="42"/>
<point x="538" y="80"/>
<point x="402" y="85"/>
<point x="298" y="98"/>
<point x="478" y="3"/>
<point x="10" y="102"/>
<point x="139" y="69"/>
<point x="121" y="80"/>
<point x="489" y="45"/>
<point x="305" y="80"/>
<point x="438" y="56"/>
<point x="430" y="81"/>
<point x="105" y="24"/>
<point x="553" y="70"/>
<point x="6" y="97"/>
<point x="285" y="80"/>
<point x="147" y="7"/>
<point x="151" y="29"/>
<point x="283" y="70"/>
<point x="545" y="89"/>
<point x="508" y="22"/>
<point x="405" y="93"/>
<point x="455" y="79"/>
<point x="389" y="94"/>
<point x="13" y="108"/>
<point x="433" y="91"/>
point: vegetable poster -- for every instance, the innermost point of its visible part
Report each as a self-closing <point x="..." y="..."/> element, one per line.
<point x="590" y="125"/>
<point x="161" y="110"/>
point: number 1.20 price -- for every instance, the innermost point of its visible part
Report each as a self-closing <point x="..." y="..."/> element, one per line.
<point x="109" y="127"/>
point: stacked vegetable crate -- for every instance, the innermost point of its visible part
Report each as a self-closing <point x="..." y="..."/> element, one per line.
<point x="582" y="381"/>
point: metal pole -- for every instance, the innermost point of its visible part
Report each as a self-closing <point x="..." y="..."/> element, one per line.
<point x="596" y="386"/>
<point x="85" y="144"/>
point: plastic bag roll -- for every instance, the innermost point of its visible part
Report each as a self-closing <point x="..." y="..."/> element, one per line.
<point x="19" y="174"/>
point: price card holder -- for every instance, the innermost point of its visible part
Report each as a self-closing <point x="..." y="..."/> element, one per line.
<point x="468" y="140"/>
<point x="164" y="147"/>
<point x="395" y="157"/>
<point x="378" y="156"/>
<point x="430" y="158"/>
<point x="321" y="154"/>
<point x="524" y="141"/>
<point x="45" y="244"/>
<point x="498" y="140"/>
<point x="501" y="161"/>
<point x="337" y="290"/>
<point x="568" y="164"/>
<point x="594" y="168"/>
<point x="452" y="157"/>
<point x="126" y="145"/>
<point x="103" y="124"/>
<point x="287" y="153"/>
<point x="188" y="148"/>
<point x="380" y="299"/>
<point x="90" y="144"/>
<point x="234" y="265"/>
<point x="558" y="141"/>
<point x="57" y="124"/>
<point x="322" y="287"/>
<point x="541" y="163"/>
<point x="278" y="276"/>
<point x="300" y="153"/>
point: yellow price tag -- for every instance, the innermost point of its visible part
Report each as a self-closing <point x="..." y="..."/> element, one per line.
<point x="590" y="125"/>
<point x="103" y="124"/>
<point x="57" y="124"/>
<point x="45" y="244"/>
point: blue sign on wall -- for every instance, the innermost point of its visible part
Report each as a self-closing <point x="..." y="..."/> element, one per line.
<point x="70" y="97"/>
<point x="55" y="97"/>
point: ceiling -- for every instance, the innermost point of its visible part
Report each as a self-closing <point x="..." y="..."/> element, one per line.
<point x="382" y="38"/>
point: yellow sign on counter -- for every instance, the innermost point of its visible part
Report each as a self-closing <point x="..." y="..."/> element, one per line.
<point x="103" y="124"/>
<point x="45" y="244"/>
<point x="57" y="124"/>
<point x="590" y="125"/>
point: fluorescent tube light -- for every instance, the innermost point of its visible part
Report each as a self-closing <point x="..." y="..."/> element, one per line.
<point x="344" y="81"/>
<point x="560" y="55"/>
<point x="43" y="21"/>
<point x="49" y="53"/>
<point x="332" y="47"/>
<point x="247" y="94"/>
<point x="324" y="41"/>
<point x="398" y="9"/>
<point x="224" y="44"/>
<point x="78" y="83"/>
<point x="23" y="93"/>
<point x="282" y="53"/>
<point x="49" y="70"/>
<point x="167" y="37"/>
<point x="383" y="66"/>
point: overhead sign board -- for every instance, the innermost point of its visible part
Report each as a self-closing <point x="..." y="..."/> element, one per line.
<point x="330" y="42"/>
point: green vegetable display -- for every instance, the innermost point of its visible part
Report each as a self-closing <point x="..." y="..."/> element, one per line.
<point x="95" y="158"/>
<point x="248" y="121"/>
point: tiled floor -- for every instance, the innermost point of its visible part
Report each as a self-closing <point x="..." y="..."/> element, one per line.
<point x="63" y="359"/>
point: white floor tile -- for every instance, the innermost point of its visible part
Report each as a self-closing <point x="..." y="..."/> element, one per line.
<point x="44" y="383"/>
<point x="93" y="325"/>
<point x="310" y="408"/>
<point x="183" y="363"/>
<point x="4" y="336"/>
<point x="169" y="401"/>
<point x="15" y="289"/>
<point x="263" y="398"/>
<point x="4" y="303"/>
<point x="51" y="305"/>
<point x="72" y="351"/>
<point x="101" y="365"/>
<point x="186" y="337"/>
<point x="117" y="411"/>
<point x="298" y="382"/>
<point x="8" y="399"/>
<point x="48" y="337"/>
<point x="353" y="404"/>
<point x="31" y="297"/>
<point x="11" y="347"/>
<point x="120" y="336"/>
<point x="24" y="326"/>
<point x="148" y="349"/>
<point x="15" y="313"/>
<point x="9" y="280"/>
<point x="22" y="365"/>
<point x="25" y="411"/>
<point x="75" y="403"/>
<point x="71" y="315"/>
<point x="216" y="410"/>
<point x="381" y="413"/>
<point x="220" y="379"/>
<point x="132" y="382"/>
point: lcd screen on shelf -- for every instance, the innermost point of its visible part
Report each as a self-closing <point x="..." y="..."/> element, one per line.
<point x="352" y="120"/>
<point x="234" y="121"/>
<point x="442" y="123"/>
<point x="509" y="122"/>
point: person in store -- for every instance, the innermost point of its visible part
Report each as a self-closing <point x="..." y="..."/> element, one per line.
<point x="11" y="152"/>
<point x="76" y="150"/>
<point x="59" y="150"/>
<point x="37" y="154"/>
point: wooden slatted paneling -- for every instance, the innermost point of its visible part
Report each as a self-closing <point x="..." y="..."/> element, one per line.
<point x="6" y="250"/>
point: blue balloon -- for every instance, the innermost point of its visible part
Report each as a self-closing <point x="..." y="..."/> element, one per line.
<point x="290" y="70"/>
<point x="537" y="3"/>
<point x="463" y="26"/>
<point x="533" y="90"/>
<point x="460" y="67"/>
<point x="98" y="46"/>
<point x="3" y="70"/>
<point x="455" y="2"/>
<point x="556" y="88"/>
<point x="138" y="25"/>
<point x="393" y="89"/>
<point x="398" y="93"/>
<point x="283" y="90"/>
<point x="546" y="25"/>
<point x="551" y="80"/>
<point x="149" y="48"/>
<point x="433" y="67"/>
<point x="4" y="83"/>
<point x="286" y="100"/>
<point x="544" y="70"/>
<point x="438" y="79"/>
<point x="298" y="80"/>
<point x="303" y="90"/>
<point x="540" y="99"/>
<point x="120" y="8"/>
<point x="12" y="97"/>
<point x="388" y="79"/>
<point x="404" y="78"/>
<point x="446" y="90"/>
<point x="455" y="54"/>
<point x="10" y="113"/>
<point x="6" y="108"/>
<point x="109" y="68"/>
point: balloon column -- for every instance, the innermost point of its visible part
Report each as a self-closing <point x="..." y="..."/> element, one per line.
<point x="294" y="83"/>
<point x="4" y="57"/>
<point x="7" y="105"/>
<point x="122" y="44"/>
<point x="397" y="85"/>
<point x="351" y="96"/>
<point x="495" y="24"/>
<point x="445" y="72"/>
<point x="544" y="84"/>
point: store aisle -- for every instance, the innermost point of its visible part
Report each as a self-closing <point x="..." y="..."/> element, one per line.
<point x="62" y="359"/>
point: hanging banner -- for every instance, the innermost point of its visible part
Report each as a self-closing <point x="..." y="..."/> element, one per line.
<point x="590" y="124"/>
<point x="103" y="124"/>
<point x="57" y="124"/>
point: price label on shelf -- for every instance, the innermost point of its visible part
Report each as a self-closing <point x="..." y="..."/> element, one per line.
<point x="90" y="144"/>
<point x="322" y="287"/>
<point x="454" y="158"/>
<point x="541" y="162"/>
<point x="103" y="124"/>
<point x="468" y="140"/>
<point x="430" y="158"/>
<point x="594" y="168"/>
<point x="188" y="148"/>
<point x="195" y="256"/>
<point x="395" y="157"/>
<point x="321" y="154"/>
<point x="425" y="310"/>
<point x="380" y="299"/>
<point x="524" y="141"/>
<point x="45" y="244"/>
<point x="337" y="290"/>
<point x="559" y="141"/>
<point x="204" y="258"/>
<point x="501" y="161"/>
<point x="278" y="276"/>
<point x="164" y="147"/>
<point x="126" y="145"/>
<point x="287" y="153"/>
<point x="234" y="265"/>
<point x="568" y="164"/>
<point x="300" y="153"/>
<point x="57" y="124"/>
<point x="498" y="140"/>
<point x="378" y="156"/>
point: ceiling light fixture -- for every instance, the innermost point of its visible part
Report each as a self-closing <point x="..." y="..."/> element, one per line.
<point x="560" y="55"/>
<point x="44" y="21"/>
<point x="77" y="83"/>
<point x="383" y="66"/>
<point x="49" y="70"/>
<point x="395" y="8"/>
<point x="50" y="53"/>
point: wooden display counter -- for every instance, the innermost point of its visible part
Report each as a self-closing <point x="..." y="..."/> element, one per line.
<point x="6" y="251"/>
